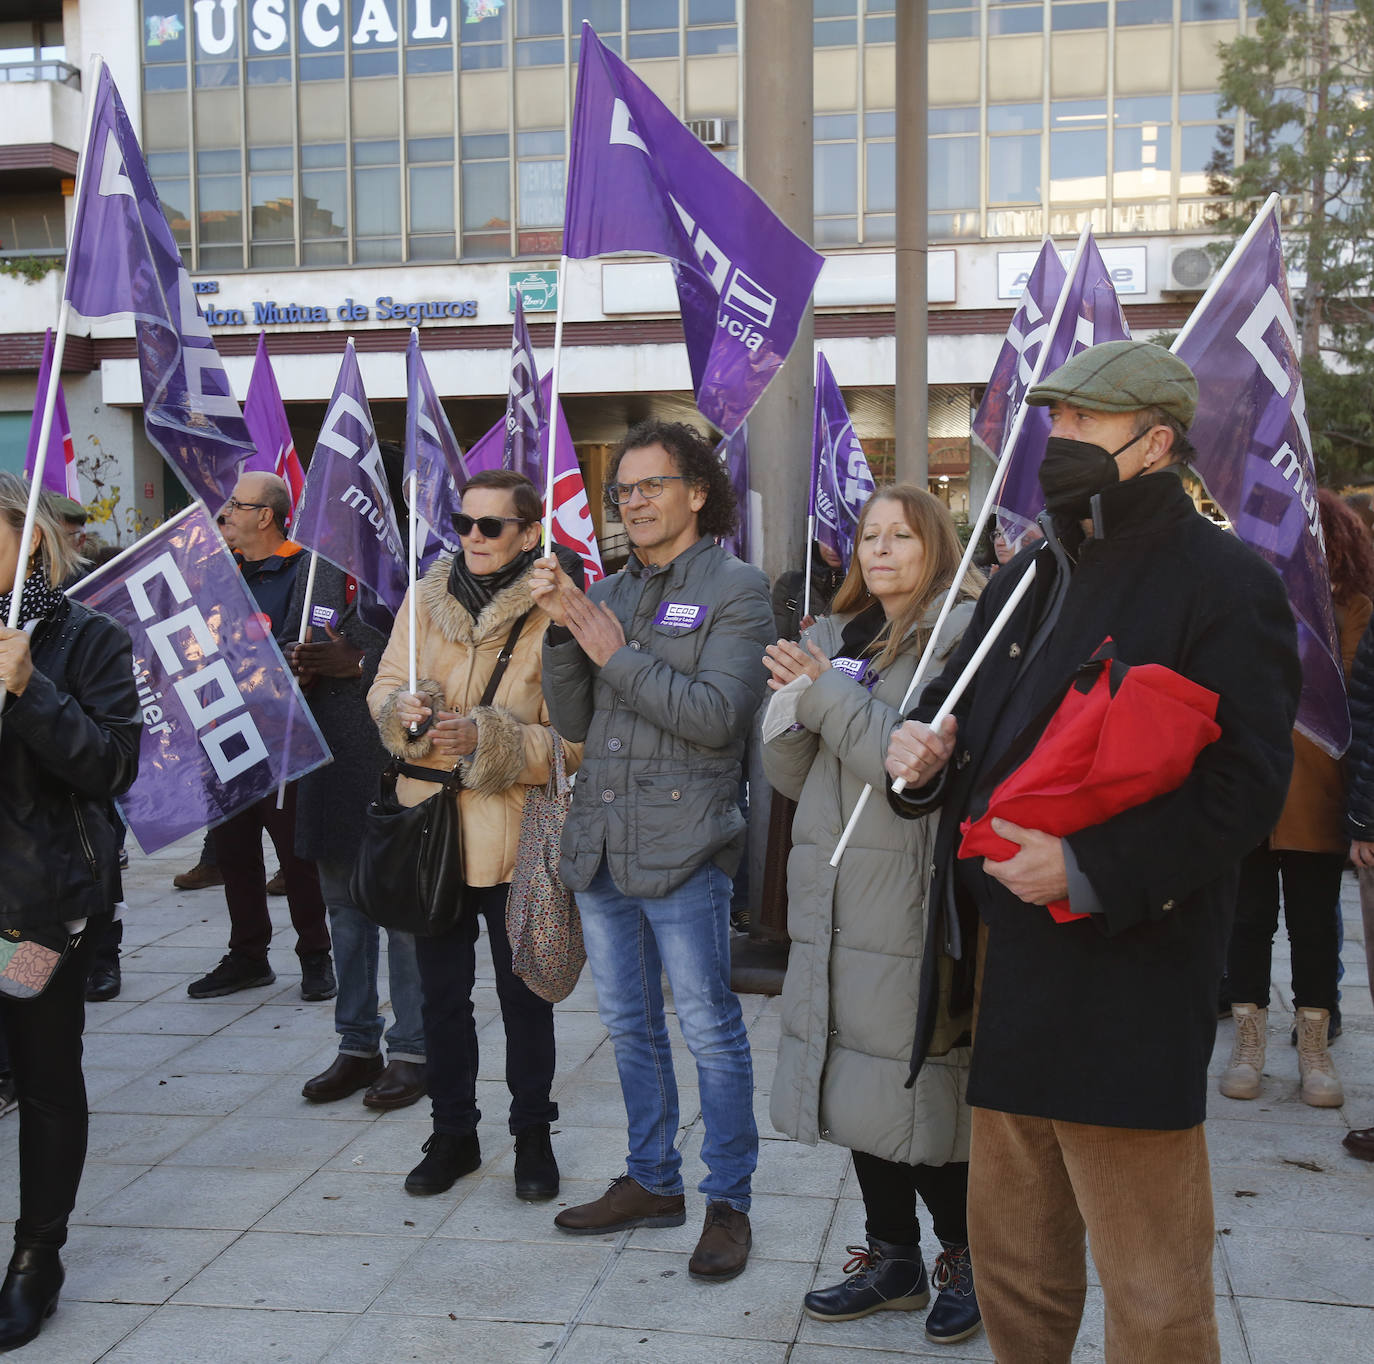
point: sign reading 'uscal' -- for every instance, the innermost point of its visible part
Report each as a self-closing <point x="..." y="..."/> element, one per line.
<point x="268" y="313"/>
<point x="320" y="24"/>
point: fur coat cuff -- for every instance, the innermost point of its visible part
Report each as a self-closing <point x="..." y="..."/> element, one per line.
<point x="499" y="758"/>
<point x="393" y="731"/>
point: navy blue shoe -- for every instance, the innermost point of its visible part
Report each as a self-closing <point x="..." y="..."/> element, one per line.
<point x="955" y="1315"/>
<point x="882" y="1278"/>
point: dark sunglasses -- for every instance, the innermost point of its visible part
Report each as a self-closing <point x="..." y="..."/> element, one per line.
<point x="492" y="527"/>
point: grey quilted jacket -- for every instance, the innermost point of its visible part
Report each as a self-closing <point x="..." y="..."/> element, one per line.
<point x="665" y="722"/>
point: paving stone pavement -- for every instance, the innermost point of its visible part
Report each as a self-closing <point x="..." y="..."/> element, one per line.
<point x="224" y="1219"/>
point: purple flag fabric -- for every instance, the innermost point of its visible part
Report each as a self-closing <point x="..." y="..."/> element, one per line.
<point x="124" y="260"/>
<point x="223" y="722"/>
<point x="526" y="412"/>
<point x="638" y="180"/>
<point x="840" y="478"/>
<point x="1254" y="453"/>
<point x="59" y="468"/>
<point x="1091" y="315"/>
<point x="346" y="512"/>
<point x="265" y="416"/>
<point x="734" y="451"/>
<point x="432" y="454"/>
<point x="572" y="516"/>
<point x="1030" y="325"/>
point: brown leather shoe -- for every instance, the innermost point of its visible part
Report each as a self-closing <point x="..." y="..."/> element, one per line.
<point x="627" y="1203"/>
<point x="346" y="1075"/>
<point x="401" y="1084"/>
<point x="1359" y="1141"/>
<point x="723" y="1250"/>
<point x="200" y="877"/>
<point x="277" y="885"/>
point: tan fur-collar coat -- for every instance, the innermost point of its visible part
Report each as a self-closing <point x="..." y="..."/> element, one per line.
<point x="455" y="660"/>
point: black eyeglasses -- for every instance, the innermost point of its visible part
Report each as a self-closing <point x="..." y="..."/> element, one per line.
<point x="233" y="504"/>
<point x="648" y="487"/>
<point x="491" y="526"/>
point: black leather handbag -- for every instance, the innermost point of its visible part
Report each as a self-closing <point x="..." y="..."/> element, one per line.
<point x="409" y="872"/>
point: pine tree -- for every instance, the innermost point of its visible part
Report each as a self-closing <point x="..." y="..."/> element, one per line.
<point x="1303" y="83"/>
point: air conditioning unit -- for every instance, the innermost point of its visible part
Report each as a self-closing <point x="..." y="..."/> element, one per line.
<point x="1190" y="270"/>
<point x="711" y="131"/>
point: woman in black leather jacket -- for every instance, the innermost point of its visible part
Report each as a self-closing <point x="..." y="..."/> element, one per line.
<point x="69" y="735"/>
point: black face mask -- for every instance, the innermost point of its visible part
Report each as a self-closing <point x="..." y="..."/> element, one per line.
<point x="1074" y="471"/>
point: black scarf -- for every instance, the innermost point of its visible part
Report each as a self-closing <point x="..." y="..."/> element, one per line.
<point x="37" y="602"/>
<point x="475" y="591"/>
<point x="861" y="634"/>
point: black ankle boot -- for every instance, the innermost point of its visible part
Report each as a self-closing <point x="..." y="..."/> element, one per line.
<point x="536" y="1170"/>
<point x="955" y="1315"/>
<point x="28" y="1296"/>
<point x="889" y="1278"/>
<point x="448" y="1156"/>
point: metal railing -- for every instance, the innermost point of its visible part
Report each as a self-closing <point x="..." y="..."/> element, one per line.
<point x="64" y="73"/>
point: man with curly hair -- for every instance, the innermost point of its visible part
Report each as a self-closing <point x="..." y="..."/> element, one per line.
<point x="658" y="670"/>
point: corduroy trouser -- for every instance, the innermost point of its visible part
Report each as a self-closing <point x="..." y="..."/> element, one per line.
<point x="1143" y="1199"/>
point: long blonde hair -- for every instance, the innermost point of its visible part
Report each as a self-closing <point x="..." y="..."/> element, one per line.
<point x="56" y="552"/>
<point x="932" y="524"/>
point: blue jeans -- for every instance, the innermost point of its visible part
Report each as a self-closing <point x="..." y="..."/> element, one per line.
<point x="631" y="941"/>
<point x="356" y="949"/>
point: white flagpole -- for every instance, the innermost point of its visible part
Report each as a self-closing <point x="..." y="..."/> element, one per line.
<point x="988" y="502"/>
<point x="40" y="458"/>
<point x="553" y="403"/>
<point x="806" y="565"/>
<point x="300" y="639"/>
<point x="1271" y="205"/>
<point x="414" y="562"/>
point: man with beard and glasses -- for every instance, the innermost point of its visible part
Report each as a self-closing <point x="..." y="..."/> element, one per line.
<point x="1088" y="1079"/>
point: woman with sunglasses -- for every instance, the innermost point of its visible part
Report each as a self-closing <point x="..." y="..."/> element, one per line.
<point x="469" y="609"/>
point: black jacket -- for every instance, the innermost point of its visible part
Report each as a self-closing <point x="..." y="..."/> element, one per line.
<point x="1111" y="1020"/>
<point x="1359" y="758"/>
<point x="68" y="745"/>
<point x="273" y="580"/>
<point x="789" y="594"/>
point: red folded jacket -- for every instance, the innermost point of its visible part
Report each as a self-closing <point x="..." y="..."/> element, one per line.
<point x="1130" y="736"/>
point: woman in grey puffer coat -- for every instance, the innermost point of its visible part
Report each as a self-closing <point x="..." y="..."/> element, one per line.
<point x="853" y="975"/>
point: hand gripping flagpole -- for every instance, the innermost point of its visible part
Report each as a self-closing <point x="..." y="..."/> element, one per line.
<point x="1008" y="446"/>
<point x="553" y="404"/>
<point x="40" y="458"/>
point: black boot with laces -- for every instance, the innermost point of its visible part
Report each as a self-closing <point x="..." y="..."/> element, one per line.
<point x="882" y="1278"/>
<point x="536" y="1170"/>
<point x="448" y="1157"/>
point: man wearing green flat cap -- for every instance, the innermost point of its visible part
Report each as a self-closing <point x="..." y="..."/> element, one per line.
<point x="1088" y="1079"/>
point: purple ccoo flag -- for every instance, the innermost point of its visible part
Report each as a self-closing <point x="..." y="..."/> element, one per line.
<point x="1091" y="314"/>
<point x="123" y="259"/>
<point x="433" y="456"/>
<point x="638" y="180"/>
<point x="526" y="415"/>
<point x="734" y="451"/>
<point x="840" y="478"/>
<point x="346" y="513"/>
<point x="223" y="722"/>
<point x="1254" y="453"/>
<point x="1011" y="376"/>
<point x="59" y="469"/>
<point x="265" y="414"/>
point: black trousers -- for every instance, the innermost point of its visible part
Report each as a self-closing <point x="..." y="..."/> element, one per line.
<point x="448" y="967"/>
<point x="239" y="842"/>
<point x="44" y="1037"/>
<point x="890" y="1189"/>
<point x="1311" y="885"/>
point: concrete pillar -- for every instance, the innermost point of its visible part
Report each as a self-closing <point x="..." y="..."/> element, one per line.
<point x="912" y="417"/>
<point x="778" y="164"/>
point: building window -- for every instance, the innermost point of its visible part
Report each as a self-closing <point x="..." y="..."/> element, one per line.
<point x="653" y="29"/>
<point x="836" y="23"/>
<point x="836" y="171"/>
<point x="1132" y="13"/>
<point x="172" y="175"/>
<point x="432" y="236"/>
<point x="483" y="39"/>
<point x="952" y="19"/>
<point x="1014" y="18"/>
<point x="324" y="204"/>
<point x="219" y="194"/>
<point x="486" y="196"/>
<point x="952" y="177"/>
<point x="541" y="179"/>
<point x="272" y="206"/>
<point x="1078" y="151"/>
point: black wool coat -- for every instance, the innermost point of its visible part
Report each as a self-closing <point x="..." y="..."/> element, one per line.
<point x="1359" y="757"/>
<point x="1111" y="1020"/>
<point x="332" y="800"/>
